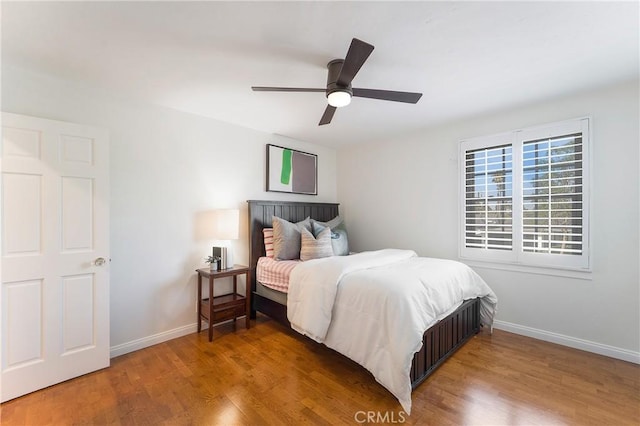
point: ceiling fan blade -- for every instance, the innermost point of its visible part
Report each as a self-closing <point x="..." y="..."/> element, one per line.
<point x="285" y="89"/>
<point x="327" y="116"/>
<point x="388" y="95"/>
<point x="357" y="54"/>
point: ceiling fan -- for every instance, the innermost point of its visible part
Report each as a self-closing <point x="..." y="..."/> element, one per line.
<point x="339" y="90"/>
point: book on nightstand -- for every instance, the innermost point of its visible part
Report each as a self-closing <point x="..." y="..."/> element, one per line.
<point x="221" y="253"/>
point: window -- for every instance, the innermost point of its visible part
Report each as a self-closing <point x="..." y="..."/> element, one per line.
<point x="525" y="196"/>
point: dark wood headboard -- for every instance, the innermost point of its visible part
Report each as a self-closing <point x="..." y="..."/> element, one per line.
<point x="261" y="216"/>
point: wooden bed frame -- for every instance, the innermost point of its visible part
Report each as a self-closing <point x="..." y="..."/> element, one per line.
<point x="439" y="342"/>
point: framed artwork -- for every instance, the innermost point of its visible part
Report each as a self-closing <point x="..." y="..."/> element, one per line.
<point x="289" y="170"/>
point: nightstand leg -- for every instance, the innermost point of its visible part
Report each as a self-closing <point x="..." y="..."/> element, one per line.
<point x="247" y="291"/>
<point x="199" y="308"/>
<point x="235" y="291"/>
<point x="211" y="308"/>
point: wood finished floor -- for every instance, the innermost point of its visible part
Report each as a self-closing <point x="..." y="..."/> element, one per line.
<point x="270" y="375"/>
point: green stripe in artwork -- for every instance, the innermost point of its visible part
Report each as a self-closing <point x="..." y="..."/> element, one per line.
<point x="285" y="174"/>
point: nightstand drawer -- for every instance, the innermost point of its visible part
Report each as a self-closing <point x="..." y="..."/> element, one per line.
<point x="228" y="313"/>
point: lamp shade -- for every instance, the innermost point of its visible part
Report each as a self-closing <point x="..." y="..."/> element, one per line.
<point x="225" y="224"/>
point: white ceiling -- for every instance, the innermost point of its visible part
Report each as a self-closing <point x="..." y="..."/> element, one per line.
<point x="468" y="58"/>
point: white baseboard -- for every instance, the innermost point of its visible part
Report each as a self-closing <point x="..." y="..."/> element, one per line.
<point x="572" y="342"/>
<point x="145" y="342"/>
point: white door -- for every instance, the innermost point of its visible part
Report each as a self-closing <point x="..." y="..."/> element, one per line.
<point x="55" y="252"/>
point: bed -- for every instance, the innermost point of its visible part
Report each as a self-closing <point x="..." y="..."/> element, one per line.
<point x="440" y="341"/>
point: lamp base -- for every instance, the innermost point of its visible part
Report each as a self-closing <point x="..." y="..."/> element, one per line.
<point x="229" y="263"/>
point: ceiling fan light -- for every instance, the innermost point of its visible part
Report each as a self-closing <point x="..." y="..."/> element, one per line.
<point x="339" y="98"/>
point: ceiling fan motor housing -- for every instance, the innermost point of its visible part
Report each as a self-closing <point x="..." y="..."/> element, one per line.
<point x="332" y="78"/>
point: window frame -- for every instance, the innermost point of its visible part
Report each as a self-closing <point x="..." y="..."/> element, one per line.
<point x="517" y="256"/>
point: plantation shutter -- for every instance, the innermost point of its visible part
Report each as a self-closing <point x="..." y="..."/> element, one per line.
<point x="525" y="196"/>
<point x="488" y="187"/>
<point x="552" y="194"/>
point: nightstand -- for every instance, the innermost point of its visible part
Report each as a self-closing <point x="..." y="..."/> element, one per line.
<point x="227" y="306"/>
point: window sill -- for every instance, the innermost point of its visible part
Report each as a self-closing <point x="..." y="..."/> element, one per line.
<point x="580" y="274"/>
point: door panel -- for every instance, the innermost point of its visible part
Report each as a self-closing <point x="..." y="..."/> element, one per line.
<point x="21" y="214"/>
<point x="76" y="149"/>
<point x="78" y="314"/>
<point x="77" y="214"/>
<point x="22" y="323"/>
<point x="21" y="143"/>
<point x="55" y="222"/>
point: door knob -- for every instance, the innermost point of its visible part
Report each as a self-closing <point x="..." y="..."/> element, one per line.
<point x="99" y="261"/>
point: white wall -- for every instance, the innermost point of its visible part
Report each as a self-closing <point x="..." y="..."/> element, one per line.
<point x="167" y="169"/>
<point x="404" y="193"/>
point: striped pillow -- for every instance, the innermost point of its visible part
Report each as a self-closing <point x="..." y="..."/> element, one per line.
<point x="268" y="241"/>
<point x="315" y="247"/>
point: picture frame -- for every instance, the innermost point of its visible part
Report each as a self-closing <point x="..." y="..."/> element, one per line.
<point x="291" y="171"/>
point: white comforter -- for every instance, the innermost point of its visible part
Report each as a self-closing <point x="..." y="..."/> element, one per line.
<point x="374" y="307"/>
